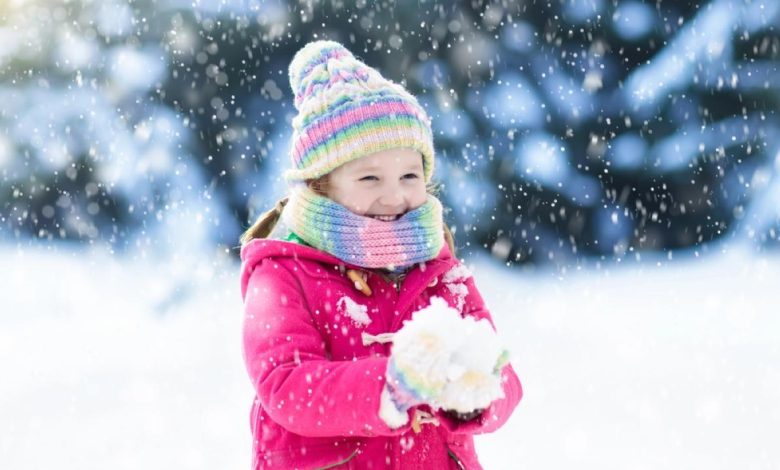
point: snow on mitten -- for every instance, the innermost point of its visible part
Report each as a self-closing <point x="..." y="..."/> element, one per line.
<point x="444" y="360"/>
<point x="474" y="375"/>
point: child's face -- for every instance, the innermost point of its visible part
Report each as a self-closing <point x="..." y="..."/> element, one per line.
<point x="383" y="185"/>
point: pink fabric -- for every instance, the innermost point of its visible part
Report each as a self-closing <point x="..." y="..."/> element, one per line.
<point x="317" y="386"/>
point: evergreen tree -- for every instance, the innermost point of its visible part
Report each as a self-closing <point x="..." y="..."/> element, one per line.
<point x="566" y="128"/>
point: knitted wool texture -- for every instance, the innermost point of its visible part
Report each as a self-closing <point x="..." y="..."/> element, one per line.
<point x="408" y="390"/>
<point x="415" y="237"/>
<point x="347" y="110"/>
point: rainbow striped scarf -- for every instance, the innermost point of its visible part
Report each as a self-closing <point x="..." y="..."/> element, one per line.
<point x="415" y="237"/>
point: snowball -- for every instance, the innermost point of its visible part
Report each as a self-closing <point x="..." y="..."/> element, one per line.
<point x="449" y="359"/>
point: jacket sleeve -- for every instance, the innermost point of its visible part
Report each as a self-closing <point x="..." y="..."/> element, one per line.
<point x="495" y="415"/>
<point x="286" y="357"/>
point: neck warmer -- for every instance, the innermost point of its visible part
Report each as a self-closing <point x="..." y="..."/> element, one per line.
<point x="414" y="237"/>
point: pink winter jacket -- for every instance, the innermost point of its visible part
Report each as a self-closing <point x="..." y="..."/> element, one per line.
<point x="317" y="385"/>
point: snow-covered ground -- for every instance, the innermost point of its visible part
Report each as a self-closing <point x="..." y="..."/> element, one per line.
<point x="110" y="363"/>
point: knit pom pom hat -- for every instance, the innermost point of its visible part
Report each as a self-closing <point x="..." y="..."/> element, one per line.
<point x="347" y="110"/>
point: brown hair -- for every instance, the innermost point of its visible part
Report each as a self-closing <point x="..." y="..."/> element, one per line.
<point x="265" y="224"/>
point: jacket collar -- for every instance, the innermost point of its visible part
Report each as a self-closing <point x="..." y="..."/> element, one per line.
<point x="415" y="282"/>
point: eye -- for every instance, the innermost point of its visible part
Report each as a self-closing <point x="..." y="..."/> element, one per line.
<point x="411" y="176"/>
<point x="369" y="178"/>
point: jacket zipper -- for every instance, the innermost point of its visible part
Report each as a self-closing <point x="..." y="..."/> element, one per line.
<point x="412" y="294"/>
<point x="340" y="462"/>
<point x="456" y="459"/>
<point x="395" y="283"/>
<point x="256" y="432"/>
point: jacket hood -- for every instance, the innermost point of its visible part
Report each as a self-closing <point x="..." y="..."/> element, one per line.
<point x="255" y="251"/>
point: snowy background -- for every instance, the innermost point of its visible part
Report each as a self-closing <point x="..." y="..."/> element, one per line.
<point x="613" y="175"/>
<point x="667" y="364"/>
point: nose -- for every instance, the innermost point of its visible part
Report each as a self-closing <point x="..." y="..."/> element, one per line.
<point x="392" y="196"/>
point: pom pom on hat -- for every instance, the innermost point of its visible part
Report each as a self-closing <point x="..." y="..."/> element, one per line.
<point x="347" y="110"/>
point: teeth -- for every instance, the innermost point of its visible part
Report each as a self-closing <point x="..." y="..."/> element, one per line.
<point x="385" y="218"/>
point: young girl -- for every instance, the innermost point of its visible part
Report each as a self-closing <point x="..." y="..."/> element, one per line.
<point x="343" y="264"/>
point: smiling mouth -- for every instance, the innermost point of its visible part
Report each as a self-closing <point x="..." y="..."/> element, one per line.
<point x="385" y="218"/>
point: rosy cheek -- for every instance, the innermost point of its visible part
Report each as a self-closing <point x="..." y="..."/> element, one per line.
<point x="354" y="205"/>
<point x="421" y="198"/>
<point x="349" y="199"/>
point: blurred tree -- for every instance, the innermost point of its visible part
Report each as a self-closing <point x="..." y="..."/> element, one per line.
<point x="569" y="128"/>
<point x="87" y="151"/>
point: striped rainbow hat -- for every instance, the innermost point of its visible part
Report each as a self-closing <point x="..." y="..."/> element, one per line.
<point x="347" y="110"/>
